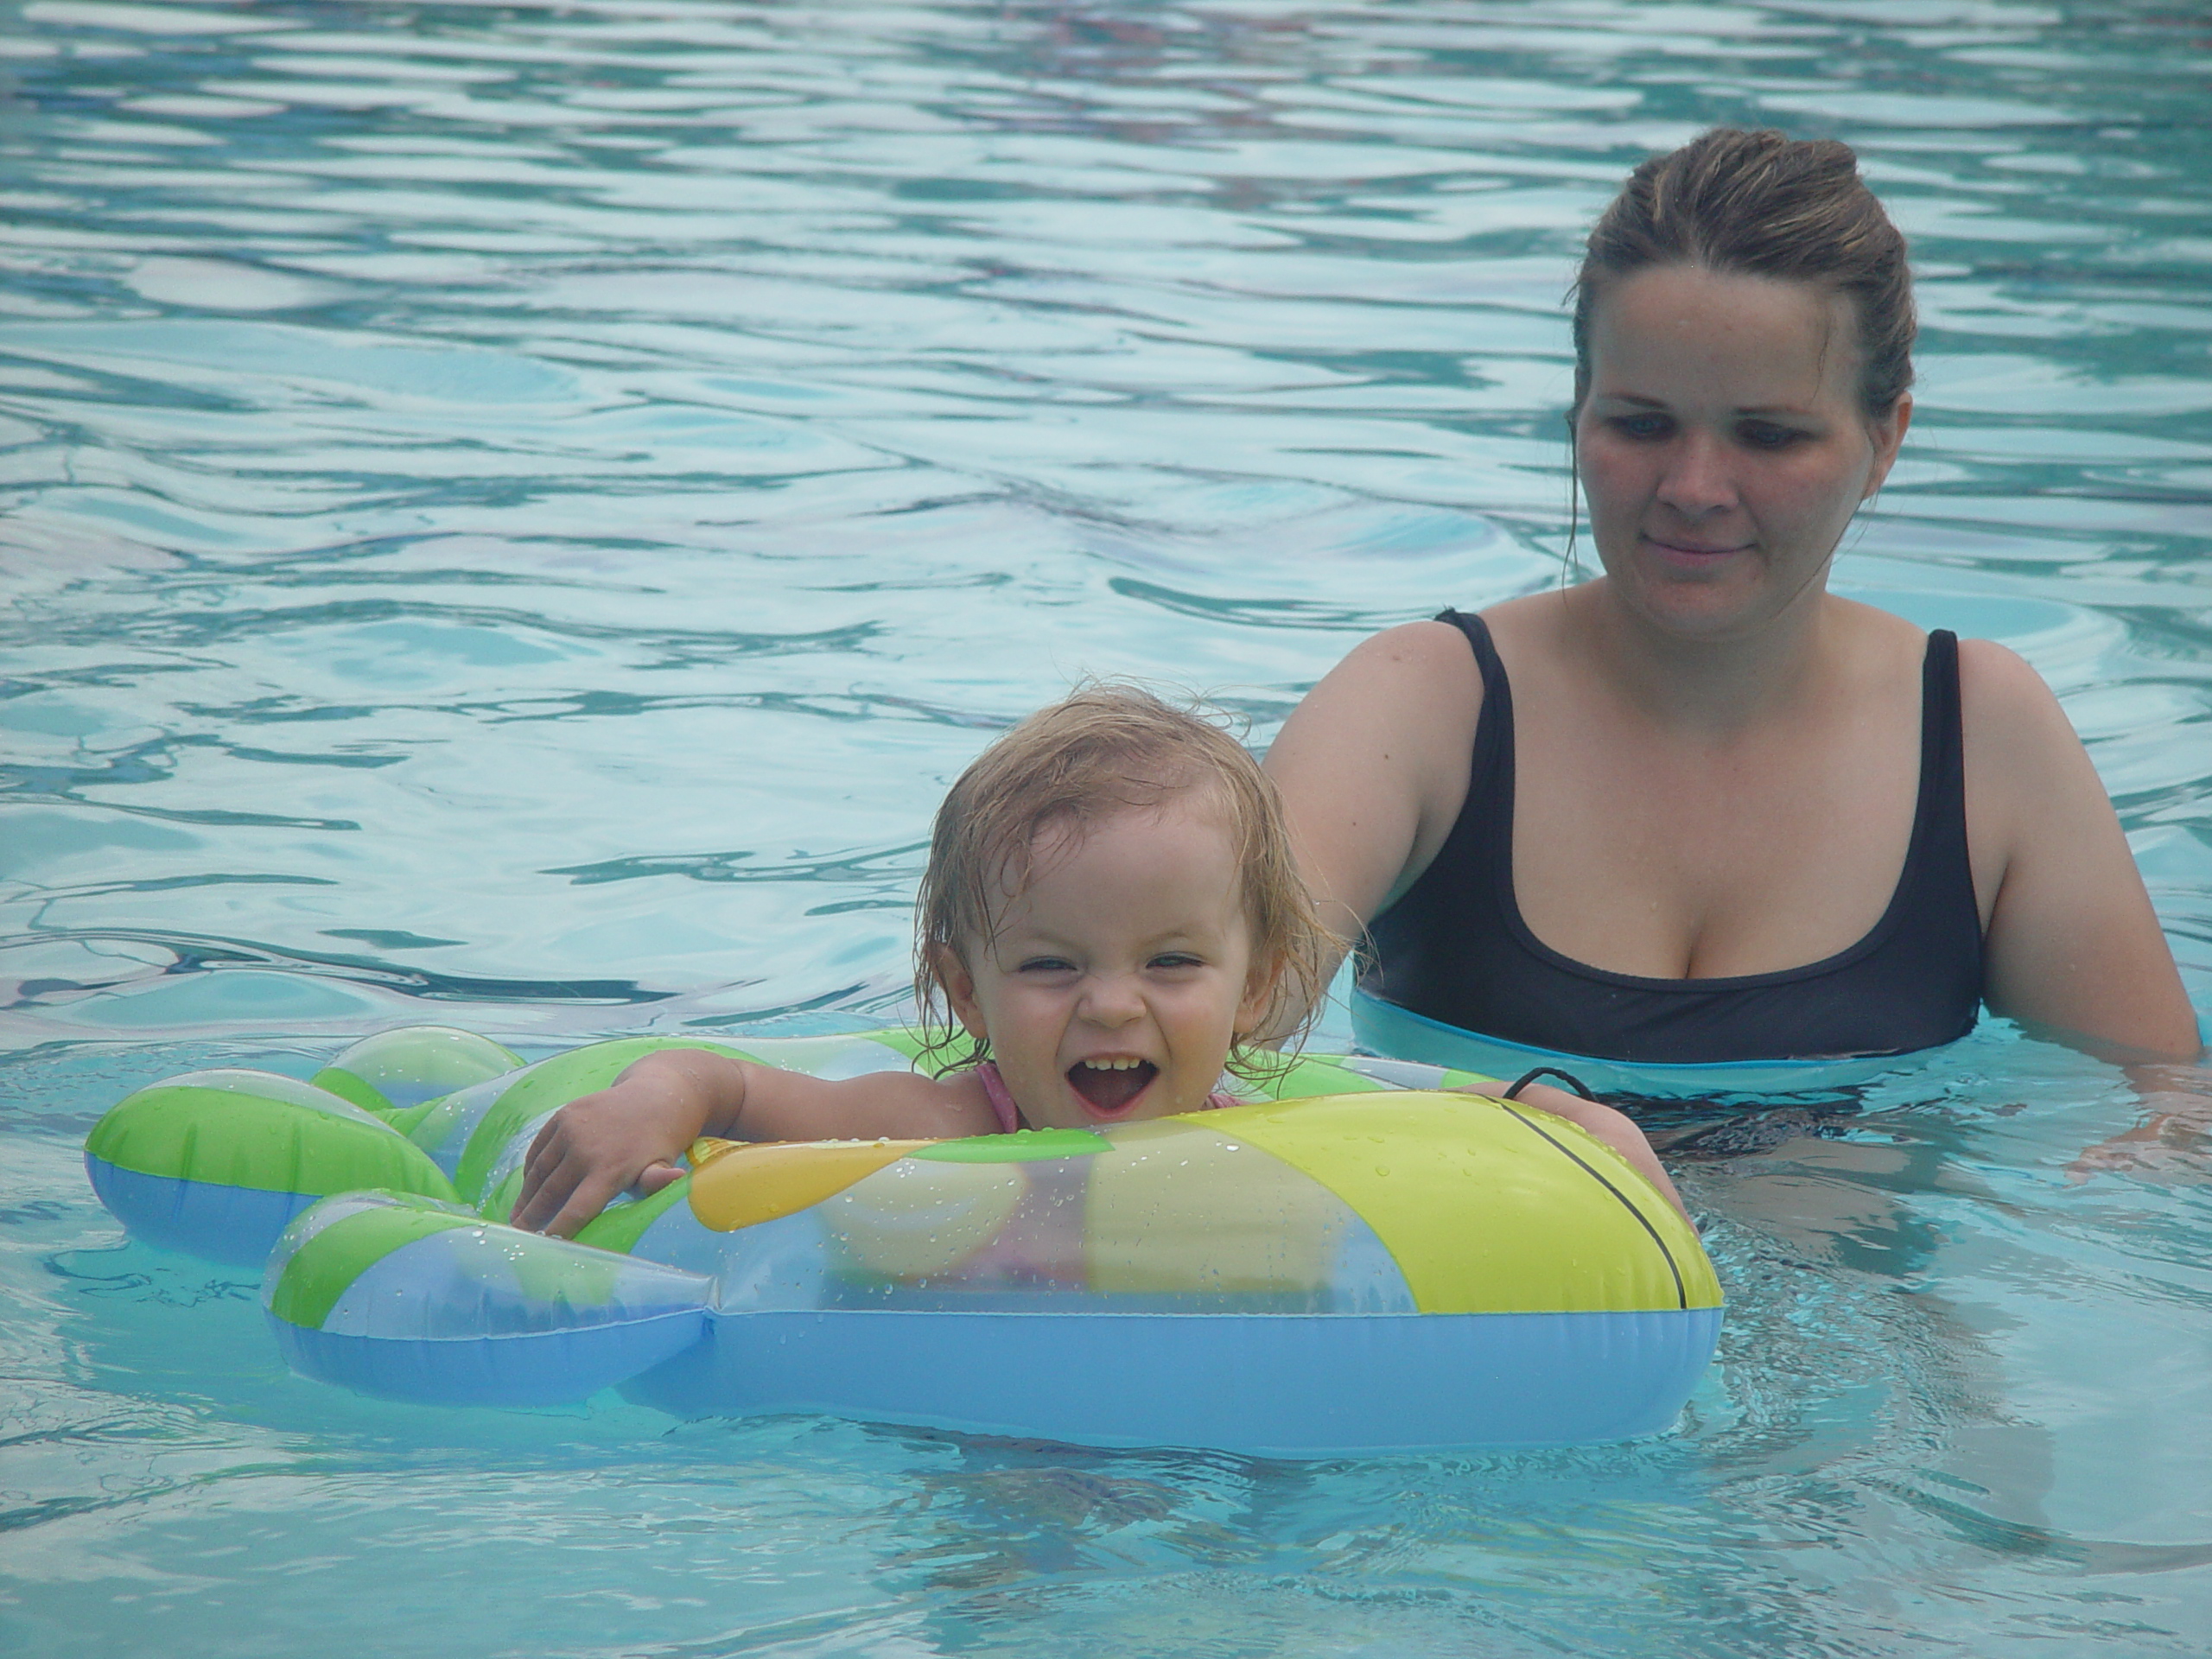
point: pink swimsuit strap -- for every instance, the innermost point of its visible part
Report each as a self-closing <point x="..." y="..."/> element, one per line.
<point x="995" y="1090"/>
<point x="986" y="1073"/>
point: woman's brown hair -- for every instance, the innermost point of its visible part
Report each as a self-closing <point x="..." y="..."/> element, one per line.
<point x="1757" y="204"/>
<point x="1103" y="750"/>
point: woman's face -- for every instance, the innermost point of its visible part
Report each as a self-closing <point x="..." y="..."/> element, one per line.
<point x="1721" y="445"/>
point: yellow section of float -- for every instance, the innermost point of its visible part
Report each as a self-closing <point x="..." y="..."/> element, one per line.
<point x="738" y="1184"/>
<point x="1488" y="1208"/>
<point x="1179" y="1206"/>
<point x="1485" y="1206"/>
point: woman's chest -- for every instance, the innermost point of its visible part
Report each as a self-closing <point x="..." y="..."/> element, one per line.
<point x="1690" y="859"/>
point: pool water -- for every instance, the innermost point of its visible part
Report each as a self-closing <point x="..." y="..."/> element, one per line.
<point x="515" y="514"/>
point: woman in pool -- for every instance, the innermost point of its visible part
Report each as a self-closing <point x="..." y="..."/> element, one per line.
<point x="1699" y="810"/>
<point x="1109" y="911"/>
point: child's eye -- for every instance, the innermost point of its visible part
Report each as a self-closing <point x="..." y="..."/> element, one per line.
<point x="1044" y="965"/>
<point x="1177" y="959"/>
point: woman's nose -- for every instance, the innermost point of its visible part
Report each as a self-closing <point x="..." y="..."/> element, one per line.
<point x="1696" y="479"/>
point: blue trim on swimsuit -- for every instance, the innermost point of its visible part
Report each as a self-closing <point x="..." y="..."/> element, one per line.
<point x="1381" y="1027"/>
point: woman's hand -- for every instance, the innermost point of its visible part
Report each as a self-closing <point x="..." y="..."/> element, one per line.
<point x="626" y="1137"/>
<point x="2174" y="1138"/>
<point x="1615" y="1128"/>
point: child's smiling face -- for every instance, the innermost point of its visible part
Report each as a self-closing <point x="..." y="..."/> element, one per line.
<point x="1121" y="974"/>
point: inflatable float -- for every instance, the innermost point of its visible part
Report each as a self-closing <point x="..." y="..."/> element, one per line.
<point x="1360" y="1264"/>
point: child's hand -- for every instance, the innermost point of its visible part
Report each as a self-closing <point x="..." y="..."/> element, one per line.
<point x="626" y="1136"/>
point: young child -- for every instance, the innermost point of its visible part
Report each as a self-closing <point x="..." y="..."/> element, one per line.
<point x="1110" y="910"/>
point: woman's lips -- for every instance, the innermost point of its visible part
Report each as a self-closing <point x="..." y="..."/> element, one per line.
<point x="1110" y="1090"/>
<point x="1693" y="550"/>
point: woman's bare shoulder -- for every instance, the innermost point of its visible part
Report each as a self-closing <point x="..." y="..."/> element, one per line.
<point x="2010" y="715"/>
<point x="1876" y="638"/>
<point x="1409" y="648"/>
<point x="1392" y="684"/>
<point x="1372" y="763"/>
<point x="1532" y="617"/>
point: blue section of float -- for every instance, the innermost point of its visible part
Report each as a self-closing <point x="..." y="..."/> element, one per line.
<point x="547" y="1368"/>
<point x="1384" y="1027"/>
<point x="1268" y="1385"/>
<point x="235" y="1225"/>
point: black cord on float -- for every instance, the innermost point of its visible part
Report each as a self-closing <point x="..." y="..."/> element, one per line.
<point x="1566" y="1077"/>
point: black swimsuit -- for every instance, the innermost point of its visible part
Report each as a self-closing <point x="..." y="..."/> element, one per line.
<point x="1454" y="947"/>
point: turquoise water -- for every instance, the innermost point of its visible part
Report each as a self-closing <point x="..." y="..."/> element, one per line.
<point x="513" y="515"/>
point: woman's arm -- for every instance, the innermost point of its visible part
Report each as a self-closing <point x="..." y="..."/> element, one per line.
<point x="631" y="1133"/>
<point x="1373" y="767"/>
<point x="2074" y="948"/>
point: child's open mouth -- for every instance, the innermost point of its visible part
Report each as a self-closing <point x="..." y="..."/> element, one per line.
<point x="1113" y="1086"/>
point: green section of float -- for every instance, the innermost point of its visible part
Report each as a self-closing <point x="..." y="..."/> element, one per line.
<point x="1310" y="1075"/>
<point x="261" y="1131"/>
<point x="896" y="1037"/>
<point x="406" y="1119"/>
<point x="1022" y="1147"/>
<point x="499" y="1205"/>
<point x="558" y="1273"/>
<point x="619" y="1226"/>
<point x="550" y="1084"/>
<point x="350" y="1089"/>
<point x="326" y="1255"/>
<point x="323" y="1268"/>
<point x="412" y="1065"/>
<point x="435" y="1121"/>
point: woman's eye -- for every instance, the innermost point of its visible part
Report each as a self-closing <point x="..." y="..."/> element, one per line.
<point x="1641" y="426"/>
<point x="1765" y="435"/>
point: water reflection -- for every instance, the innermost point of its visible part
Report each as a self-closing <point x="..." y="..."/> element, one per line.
<point x="524" y="510"/>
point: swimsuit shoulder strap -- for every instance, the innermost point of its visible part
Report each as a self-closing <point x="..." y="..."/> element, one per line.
<point x="1481" y="840"/>
<point x="1486" y="659"/>
<point x="995" y="1090"/>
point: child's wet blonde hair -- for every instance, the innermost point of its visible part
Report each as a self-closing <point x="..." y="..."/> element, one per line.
<point x="1106" y="749"/>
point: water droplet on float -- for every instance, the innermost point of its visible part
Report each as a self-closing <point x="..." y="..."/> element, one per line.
<point x="1382" y="1169"/>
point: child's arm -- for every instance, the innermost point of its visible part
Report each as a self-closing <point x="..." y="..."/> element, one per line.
<point x="630" y="1134"/>
<point x="1615" y="1128"/>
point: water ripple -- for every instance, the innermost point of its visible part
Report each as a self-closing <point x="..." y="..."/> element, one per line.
<point x="513" y="515"/>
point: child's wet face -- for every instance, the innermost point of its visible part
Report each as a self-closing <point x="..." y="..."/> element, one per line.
<point x="1121" y="973"/>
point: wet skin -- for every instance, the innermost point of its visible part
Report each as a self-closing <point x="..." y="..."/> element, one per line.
<point x="1121" y="973"/>
<point x="1722" y="446"/>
